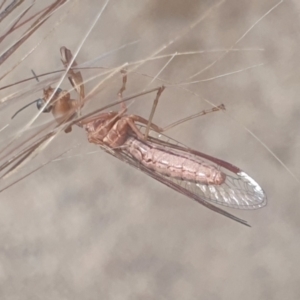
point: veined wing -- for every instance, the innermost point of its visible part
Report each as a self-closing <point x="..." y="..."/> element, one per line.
<point x="238" y="191"/>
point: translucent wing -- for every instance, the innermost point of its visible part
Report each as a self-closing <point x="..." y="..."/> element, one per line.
<point x="238" y="191"/>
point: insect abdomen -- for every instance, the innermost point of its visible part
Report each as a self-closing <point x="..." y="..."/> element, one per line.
<point x="174" y="165"/>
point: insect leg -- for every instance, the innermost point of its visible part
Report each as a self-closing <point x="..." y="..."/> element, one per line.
<point x="75" y="78"/>
<point x="140" y="119"/>
<point x="155" y="102"/>
<point x="201" y="113"/>
<point x="122" y="89"/>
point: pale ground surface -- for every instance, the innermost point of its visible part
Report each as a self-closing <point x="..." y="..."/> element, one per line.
<point x="91" y="227"/>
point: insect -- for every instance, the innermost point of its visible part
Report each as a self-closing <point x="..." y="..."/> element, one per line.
<point x="130" y="138"/>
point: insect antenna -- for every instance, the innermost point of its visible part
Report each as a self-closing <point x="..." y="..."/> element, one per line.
<point x="39" y="102"/>
<point x="35" y="101"/>
<point x="35" y="76"/>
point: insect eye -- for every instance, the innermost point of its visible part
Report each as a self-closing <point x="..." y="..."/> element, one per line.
<point x="40" y="103"/>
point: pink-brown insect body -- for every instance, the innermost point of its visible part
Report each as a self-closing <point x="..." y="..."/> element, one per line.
<point x="201" y="177"/>
<point x="105" y="130"/>
<point x="117" y="136"/>
<point x="114" y="132"/>
<point x="173" y="165"/>
<point x="63" y="105"/>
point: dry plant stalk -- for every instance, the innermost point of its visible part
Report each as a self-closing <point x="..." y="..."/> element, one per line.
<point x="199" y="176"/>
<point x="23" y="20"/>
<point x="221" y="183"/>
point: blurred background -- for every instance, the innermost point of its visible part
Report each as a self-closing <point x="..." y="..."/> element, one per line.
<point x="88" y="226"/>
